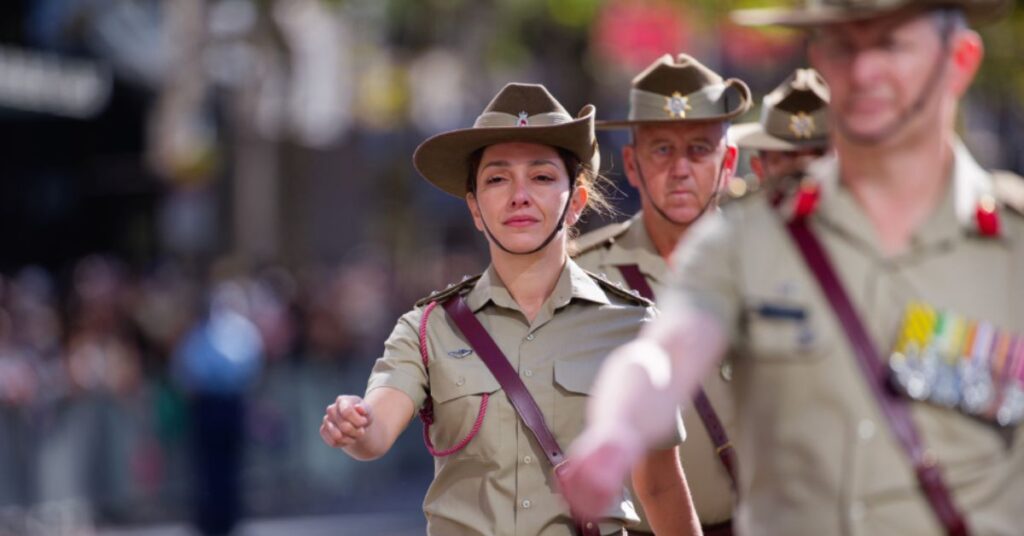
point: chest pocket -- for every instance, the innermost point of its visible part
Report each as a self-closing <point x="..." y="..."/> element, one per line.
<point x="577" y="376"/>
<point x="784" y="330"/>
<point x="457" y="389"/>
<point x="574" y="380"/>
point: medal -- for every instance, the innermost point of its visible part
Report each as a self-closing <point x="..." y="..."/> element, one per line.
<point x="975" y="373"/>
<point x="955" y="362"/>
<point x="946" y="383"/>
<point x="1011" y="410"/>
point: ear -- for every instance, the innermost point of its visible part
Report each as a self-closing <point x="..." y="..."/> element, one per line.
<point x="474" y="210"/>
<point x="967" y="50"/>
<point x="579" y="202"/>
<point x="757" y="166"/>
<point x="629" y="165"/>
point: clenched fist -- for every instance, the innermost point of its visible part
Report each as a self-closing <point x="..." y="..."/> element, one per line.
<point x="596" y="470"/>
<point x="345" y="421"/>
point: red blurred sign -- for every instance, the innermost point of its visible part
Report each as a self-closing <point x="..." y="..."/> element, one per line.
<point x="632" y="34"/>
<point x="753" y="48"/>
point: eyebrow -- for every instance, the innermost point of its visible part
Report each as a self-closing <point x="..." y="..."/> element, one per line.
<point x="696" y="139"/>
<point x="505" y="163"/>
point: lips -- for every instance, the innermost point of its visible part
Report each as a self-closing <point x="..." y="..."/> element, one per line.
<point x="520" y="221"/>
<point x="867" y="104"/>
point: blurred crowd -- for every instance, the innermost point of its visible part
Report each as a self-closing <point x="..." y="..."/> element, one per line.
<point x="101" y="370"/>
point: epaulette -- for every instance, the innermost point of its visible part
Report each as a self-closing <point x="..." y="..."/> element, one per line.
<point x="600" y="237"/>
<point x="1009" y="190"/>
<point x="616" y="289"/>
<point x="452" y="289"/>
<point x="797" y="198"/>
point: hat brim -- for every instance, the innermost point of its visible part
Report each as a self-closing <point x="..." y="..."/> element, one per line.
<point x="443" y="160"/>
<point x="752" y="136"/>
<point x="732" y="84"/>
<point x="977" y="14"/>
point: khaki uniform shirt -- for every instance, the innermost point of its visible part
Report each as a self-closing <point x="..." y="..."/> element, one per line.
<point x="601" y="251"/>
<point x="815" y="453"/>
<point x="501" y="483"/>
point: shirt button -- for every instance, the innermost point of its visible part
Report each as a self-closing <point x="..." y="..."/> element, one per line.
<point x="726" y="372"/>
<point x="526" y="503"/>
<point x="590" y="525"/>
<point x="866" y="429"/>
<point x="528" y="373"/>
<point x="527" y="459"/>
<point x="460" y="382"/>
<point x="530" y="337"/>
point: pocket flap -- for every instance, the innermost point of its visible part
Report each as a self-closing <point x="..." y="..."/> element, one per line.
<point x="577" y="375"/>
<point x="784" y="330"/>
<point x="467" y="379"/>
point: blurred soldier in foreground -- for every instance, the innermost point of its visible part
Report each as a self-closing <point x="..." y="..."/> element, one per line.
<point x="876" y="313"/>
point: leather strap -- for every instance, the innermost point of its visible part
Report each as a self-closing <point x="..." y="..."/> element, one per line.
<point x="894" y="408"/>
<point x="515" y="390"/>
<point x="723" y="447"/>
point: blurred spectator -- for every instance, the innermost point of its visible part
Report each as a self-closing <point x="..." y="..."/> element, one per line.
<point x="216" y="364"/>
<point x="93" y="451"/>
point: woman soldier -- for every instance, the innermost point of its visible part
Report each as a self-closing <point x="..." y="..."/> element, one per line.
<point x="527" y="170"/>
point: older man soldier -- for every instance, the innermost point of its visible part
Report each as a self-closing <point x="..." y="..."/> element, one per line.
<point x="678" y="158"/>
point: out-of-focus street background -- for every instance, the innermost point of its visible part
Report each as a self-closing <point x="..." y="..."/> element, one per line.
<point x="209" y="222"/>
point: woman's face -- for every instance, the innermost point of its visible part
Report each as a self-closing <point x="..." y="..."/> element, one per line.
<point x="521" y="191"/>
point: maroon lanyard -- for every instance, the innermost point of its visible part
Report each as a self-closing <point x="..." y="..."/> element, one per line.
<point x="515" y="390"/>
<point x="895" y="409"/>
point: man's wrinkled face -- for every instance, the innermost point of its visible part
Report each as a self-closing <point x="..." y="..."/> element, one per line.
<point x="680" y="166"/>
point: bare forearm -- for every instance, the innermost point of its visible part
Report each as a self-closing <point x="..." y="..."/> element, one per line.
<point x="632" y="396"/>
<point x="634" y="404"/>
<point x="662" y="489"/>
<point x="645" y="381"/>
<point x="374" y="444"/>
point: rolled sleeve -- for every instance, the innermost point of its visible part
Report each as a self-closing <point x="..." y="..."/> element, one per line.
<point x="401" y="366"/>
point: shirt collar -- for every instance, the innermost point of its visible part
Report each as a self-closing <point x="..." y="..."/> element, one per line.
<point x="573" y="282"/>
<point x="636" y="247"/>
<point x="956" y="214"/>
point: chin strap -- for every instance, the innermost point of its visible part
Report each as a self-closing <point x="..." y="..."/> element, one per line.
<point x="712" y="200"/>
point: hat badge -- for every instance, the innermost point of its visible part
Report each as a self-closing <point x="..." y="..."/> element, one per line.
<point x="677" y="105"/>
<point x="523" y="119"/>
<point x="801" y="125"/>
